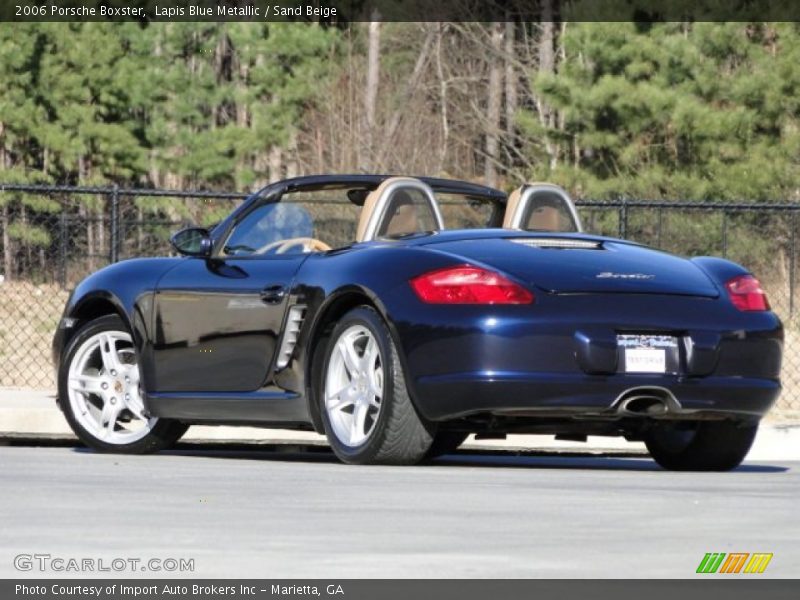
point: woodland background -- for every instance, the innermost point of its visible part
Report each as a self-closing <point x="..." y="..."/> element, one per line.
<point x="705" y="113"/>
<point x="679" y="111"/>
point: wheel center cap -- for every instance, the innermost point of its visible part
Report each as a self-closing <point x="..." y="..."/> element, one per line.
<point x="118" y="386"/>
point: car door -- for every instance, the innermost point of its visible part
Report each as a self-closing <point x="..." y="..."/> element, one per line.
<point x="218" y="320"/>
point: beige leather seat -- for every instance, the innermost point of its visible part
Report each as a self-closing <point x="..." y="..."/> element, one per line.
<point x="544" y="217"/>
<point x="512" y="205"/>
<point x="405" y="219"/>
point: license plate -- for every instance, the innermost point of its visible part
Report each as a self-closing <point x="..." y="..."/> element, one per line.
<point x="648" y="353"/>
<point x="645" y="360"/>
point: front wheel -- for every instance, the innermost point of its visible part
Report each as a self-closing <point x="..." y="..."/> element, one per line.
<point x="99" y="391"/>
<point x="700" y="446"/>
<point x="366" y="409"/>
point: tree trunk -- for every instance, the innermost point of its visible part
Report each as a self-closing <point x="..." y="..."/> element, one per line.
<point x="292" y="169"/>
<point x="371" y="90"/>
<point x="547" y="64"/>
<point x="442" y="99"/>
<point x="495" y="96"/>
<point x="405" y="97"/>
<point x="511" y="80"/>
<point x="275" y="164"/>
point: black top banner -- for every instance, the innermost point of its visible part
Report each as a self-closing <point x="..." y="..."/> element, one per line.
<point x="343" y="11"/>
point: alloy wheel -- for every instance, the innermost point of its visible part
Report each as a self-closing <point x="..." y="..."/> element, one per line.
<point x="104" y="389"/>
<point x="354" y="386"/>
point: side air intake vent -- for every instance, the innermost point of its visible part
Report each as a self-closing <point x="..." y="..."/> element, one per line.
<point x="293" y="323"/>
<point x="558" y="243"/>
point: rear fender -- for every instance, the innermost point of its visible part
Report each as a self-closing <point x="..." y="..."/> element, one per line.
<point x="719" y="270"/>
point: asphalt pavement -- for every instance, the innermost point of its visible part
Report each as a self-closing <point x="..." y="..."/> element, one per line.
<point x="260" y="513"/>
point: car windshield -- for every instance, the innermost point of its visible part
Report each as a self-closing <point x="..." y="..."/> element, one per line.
<point x="325" y="216"/>
<point x="266" y="226"/>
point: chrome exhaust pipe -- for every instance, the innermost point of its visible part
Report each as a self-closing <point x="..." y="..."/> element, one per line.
<point x="643" y="406"/>
<point x="646" y="402"/>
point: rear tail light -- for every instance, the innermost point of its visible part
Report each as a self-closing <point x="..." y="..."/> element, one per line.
<point x="746" y="294"/>
<point x="468" y="285"/>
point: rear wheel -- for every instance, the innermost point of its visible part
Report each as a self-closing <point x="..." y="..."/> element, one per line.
<point x="368" y="415"/>
<point x="100" y="393"/>
<point x="700" y="446"/>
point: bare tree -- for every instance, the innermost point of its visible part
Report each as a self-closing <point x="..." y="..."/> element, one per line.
<point x="407" y="94"/>
<point x="443" y="110"/>
<point x="547" y="64"/>
<point x="511" y="79"/>
<point x="494" y="99"/>
<point x="275" y="164"/>
<point x="371" y="89"/>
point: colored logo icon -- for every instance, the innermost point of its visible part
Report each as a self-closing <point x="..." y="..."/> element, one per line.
<point x="735" y="562"/>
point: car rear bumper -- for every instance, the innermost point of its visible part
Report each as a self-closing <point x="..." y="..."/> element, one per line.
<point x="458" y="395"/>
<point x="563" y="355"/>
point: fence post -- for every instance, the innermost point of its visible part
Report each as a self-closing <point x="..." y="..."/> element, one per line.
<point x="114" y="249"/>
<point x="792" y="261"/>
<point x="623" y="219"/>
<point x="660" y="226"/>
<point x="62" y="247"/>
<point x="724" y="233"/>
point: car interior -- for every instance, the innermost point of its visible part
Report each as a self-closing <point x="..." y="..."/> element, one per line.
<point x="541" y="207"/>
<point x="398" y="206"/>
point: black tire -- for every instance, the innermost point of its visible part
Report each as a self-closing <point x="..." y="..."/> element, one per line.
<point x="164" y="433"/>
<point x="399" y="435"/>
<point x="445" y="442"/>
<point x="700" y="446"/>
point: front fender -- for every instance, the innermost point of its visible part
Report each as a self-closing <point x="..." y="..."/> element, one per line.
<point x="125" y="288"/>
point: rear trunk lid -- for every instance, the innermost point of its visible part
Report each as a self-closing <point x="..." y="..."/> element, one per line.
<point x="571" y="264"/>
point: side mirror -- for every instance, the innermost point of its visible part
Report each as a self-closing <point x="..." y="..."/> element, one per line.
<point x="193" y="241"/>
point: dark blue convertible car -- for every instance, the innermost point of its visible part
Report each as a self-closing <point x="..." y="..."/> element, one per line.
<point x="398" y="315"/>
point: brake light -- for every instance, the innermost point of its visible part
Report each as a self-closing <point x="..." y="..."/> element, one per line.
<point x="746" y="294"/>
<point x="468" y="285"/>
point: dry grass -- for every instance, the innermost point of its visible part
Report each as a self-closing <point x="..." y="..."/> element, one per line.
<point x="28" y="317"/>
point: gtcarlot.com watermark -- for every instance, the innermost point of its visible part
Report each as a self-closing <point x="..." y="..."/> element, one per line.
<point x="69" y="564"/>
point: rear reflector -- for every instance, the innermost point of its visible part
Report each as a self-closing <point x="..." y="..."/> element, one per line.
<point x="466" y="284"/>
<point x="746" y="294"/>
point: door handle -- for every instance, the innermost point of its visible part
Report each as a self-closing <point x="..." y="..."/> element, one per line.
<point x="273" y="294"/>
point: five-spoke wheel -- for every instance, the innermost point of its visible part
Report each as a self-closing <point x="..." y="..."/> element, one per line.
<point x="100" y="392"/>
<point x="354" y="385"/>
<point x="363" y="399"/>
<point x="104" y="390"/>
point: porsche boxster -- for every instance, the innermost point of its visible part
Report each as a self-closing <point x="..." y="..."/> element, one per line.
<point x="398" y="315"/>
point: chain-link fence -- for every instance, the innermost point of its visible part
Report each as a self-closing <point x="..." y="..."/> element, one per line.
<point x="53" y="236"/>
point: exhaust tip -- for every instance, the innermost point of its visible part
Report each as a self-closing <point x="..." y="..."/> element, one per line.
<point x="644" y="406"/>
<point x="647" y="402"/>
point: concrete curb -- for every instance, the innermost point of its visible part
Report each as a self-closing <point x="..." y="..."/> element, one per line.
<point x="33" y="415"/>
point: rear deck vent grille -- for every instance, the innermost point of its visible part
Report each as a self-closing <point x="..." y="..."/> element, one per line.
<point x="558" y="243"/>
